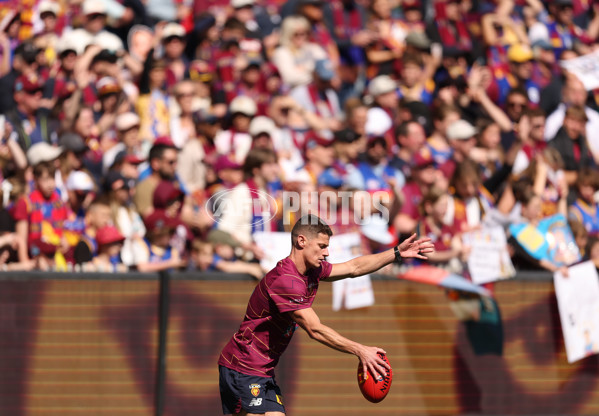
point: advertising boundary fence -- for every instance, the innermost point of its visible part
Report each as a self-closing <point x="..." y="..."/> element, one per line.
<point x="165" y="283"/>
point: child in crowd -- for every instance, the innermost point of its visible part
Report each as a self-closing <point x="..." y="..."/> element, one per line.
<point x="218" y="254"/>
<point x="97" y="217"/>
<point x="585" y="209"/>
<point x="39" y="217"/>
<point x="160" y="255"/>
<point x="110" y="242"/>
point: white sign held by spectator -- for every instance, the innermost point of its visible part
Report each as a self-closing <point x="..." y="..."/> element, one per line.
<point x="349" y="293"/>
<point x="276" y="246"/>
<point x="489" y="259"/>
<point x="578" y="302"/>
<point x="586" y="68"/>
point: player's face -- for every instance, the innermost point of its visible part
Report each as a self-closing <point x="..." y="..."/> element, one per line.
<point x="317" y="250"/>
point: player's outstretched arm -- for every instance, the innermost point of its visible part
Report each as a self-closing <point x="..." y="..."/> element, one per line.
<point x="310" y="322"/>
<point x="409" y="248"/>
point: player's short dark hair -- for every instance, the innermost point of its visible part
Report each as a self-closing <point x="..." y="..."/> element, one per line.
<point x="310" y="226"/>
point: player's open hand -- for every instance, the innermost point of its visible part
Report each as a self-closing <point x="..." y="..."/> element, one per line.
<point x="371" y="361"/>
<point x="411" y="247"/>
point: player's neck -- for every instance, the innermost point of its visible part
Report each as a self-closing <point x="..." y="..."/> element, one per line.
<point x="297" y="259"/>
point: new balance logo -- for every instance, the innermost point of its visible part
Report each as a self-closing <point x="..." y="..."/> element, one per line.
<point x="256" y="402"/>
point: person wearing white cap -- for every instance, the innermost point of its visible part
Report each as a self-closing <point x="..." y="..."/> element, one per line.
<point x="127" y="130"/>
<point x="173" y="43"/>
<point x="236" y="140"/>
<point x="264" y="133"/>
<point x="42" y="152"/>
<point x="383" y="91"/>
<point x="95" y="13"/>
<point x="80" y="189"/>
<point x="462" y="139"/>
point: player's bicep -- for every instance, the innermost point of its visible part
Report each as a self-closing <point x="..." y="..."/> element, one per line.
<point x="341" y="271"/>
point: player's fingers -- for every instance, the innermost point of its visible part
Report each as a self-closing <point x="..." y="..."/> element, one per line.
<point x="410" y="238"/>
<point x="383" y="364"/>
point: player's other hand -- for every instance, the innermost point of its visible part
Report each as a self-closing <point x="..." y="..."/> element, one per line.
<point x="372" y="362"/>
<point x="411" y="247"/>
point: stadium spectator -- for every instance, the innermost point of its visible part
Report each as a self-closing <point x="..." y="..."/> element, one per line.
<point x="449" y="250"/>
<point x="246" y="202"/>
<point x="236" y="140"/>
<point x="162" y="165"/>
<point x="97" y="217"/>
<point x="570" y="141"/>
<point x="159" y="254"/>
<point x="107" y="260"/>
<point x="125" y="217"/>
<point x="585" y="209"/>
<point x="40" y="216"/>
<point x="296" y="56"/>
<point x="218" y="254"/>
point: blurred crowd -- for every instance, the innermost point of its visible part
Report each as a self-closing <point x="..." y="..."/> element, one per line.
<point x="121" y="120"/>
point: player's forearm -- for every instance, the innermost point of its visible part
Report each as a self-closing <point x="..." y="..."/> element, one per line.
<point x="333" y="339"/>
<point x="370" y="263"/>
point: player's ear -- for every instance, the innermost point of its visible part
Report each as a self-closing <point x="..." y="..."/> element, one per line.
<point x="301" y="241"/>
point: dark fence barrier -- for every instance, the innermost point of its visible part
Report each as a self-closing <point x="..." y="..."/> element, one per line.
<point x="81" y="344"/>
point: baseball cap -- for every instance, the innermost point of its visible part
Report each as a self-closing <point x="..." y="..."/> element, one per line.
<point x="109" y="234"/>
<point x="158" y="220"/>
<point x="460" y="130"/>
<point x="173" y="29"/>
<point x="165" y="141"/>
<point x="313" y="140"/>
<point x="29" y="84"/>
<point x="79" y="181"/>
<point x="48" y="6"/>
<point x="114" y="180"/>
<point x="237" y="4"/>
<point x="346" y="135"/>
<point x="124" y="157"/>
<point x="324" y="69"/>
<point x="377" y="122"/>
<point x="166" y="192"/>
<point x="126" y="121"/>
<point x="519" y="53"/>
<point x="262" y="124"/>
<point x="381" y="85"/>
<point x="244" y="105"/>
<point x="222" y="237"/>
<point x="418" y="40"/>
<point x="543" y="44"/>
<point x="72" y="142"/>
<point x="42" y="152"/>
<point x="376" y="228"/>
<point x="107" y="85"/>
<point x="225" y="162"/>
<point x="422" y="158"/>
<point x="93" y="7"/>
<point x="28" y="51"/>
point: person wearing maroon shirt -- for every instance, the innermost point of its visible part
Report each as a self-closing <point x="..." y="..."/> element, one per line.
<point x="281" y="302"/>
<point x="571" y="142"/>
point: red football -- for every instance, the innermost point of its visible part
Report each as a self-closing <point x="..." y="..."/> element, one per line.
<point x="374" y="390"/>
